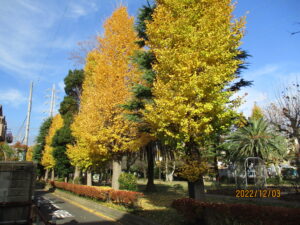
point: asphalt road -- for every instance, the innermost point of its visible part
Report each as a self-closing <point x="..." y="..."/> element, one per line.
<point x="63" y="212"/>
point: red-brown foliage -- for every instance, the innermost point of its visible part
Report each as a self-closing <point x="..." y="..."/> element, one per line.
<point x="127" y="198"/>
<point x="220" y="213"/>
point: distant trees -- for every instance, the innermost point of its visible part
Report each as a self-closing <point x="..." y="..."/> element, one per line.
<point x="29" y="153"/>
<point x="257" y="112"/>
<point x="284" y="114"/>
<point x="48" y="160"/>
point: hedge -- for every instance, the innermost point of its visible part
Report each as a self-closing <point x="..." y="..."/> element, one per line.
<point x="232" y="191"/>
<point x="127" y="198"/>
<point x="197" y="212"/>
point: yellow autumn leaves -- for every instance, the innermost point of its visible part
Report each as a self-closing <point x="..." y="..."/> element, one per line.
<point x="195" y="44"/>
<point x="47" y="160"/>
<point x="100" y="129"/>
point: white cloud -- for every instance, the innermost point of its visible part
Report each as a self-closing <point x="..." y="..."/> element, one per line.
<point x="268" y="69"/>
<point x="23" y="30"/>
<point x="12" y="97"/>
<point x="77" y="10"/>
<point x="27" y="34"/>
<point x="65" y="43"/>
<point x="30" y="6"/>
<point x="81" y="8"/>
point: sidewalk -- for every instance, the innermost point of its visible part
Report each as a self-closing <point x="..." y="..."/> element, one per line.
<point x="120" y="217"/>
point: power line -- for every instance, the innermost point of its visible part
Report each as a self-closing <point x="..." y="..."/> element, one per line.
<point x="18" y="136"/>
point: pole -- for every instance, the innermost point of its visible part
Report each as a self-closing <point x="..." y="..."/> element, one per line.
<point x="28" y="118"/>
<point x="52" y="100"/>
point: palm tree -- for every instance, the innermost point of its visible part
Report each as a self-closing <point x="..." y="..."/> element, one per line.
<point x="256" y="139"/>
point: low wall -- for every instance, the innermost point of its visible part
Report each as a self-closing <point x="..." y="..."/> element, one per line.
<point x="16" y="190"/>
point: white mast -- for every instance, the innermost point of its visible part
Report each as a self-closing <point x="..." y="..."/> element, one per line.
<point x="52" y="104"/>
<point x="28" y="117"/>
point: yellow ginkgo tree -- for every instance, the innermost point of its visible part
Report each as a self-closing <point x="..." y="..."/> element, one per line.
<point x="47" y="160"/>
<point x="196" y="44"/>
<point x="101" y="131"/>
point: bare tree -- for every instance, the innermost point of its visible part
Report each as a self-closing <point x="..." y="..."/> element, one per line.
<point x="284" y="114"/>
<point x="78" y="55"/>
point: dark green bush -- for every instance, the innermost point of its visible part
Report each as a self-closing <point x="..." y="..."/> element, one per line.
<point x="274" y="180"/>
<point x="128" y="181"/>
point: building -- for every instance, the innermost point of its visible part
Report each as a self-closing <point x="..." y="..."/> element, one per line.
<point x="3" y="125"/>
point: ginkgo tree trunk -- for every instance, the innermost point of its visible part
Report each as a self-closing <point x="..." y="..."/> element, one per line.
<point x="196" y="44"/>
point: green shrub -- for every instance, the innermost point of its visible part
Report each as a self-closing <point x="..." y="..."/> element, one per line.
<point x="60" y="179"/>
<point x="128" y="181"/>
<point x="274" y="180"/>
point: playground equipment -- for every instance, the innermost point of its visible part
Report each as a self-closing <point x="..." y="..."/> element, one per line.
<point x="250" y="171"/>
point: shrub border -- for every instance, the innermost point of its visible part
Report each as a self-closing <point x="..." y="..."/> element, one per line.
<point x="126" y="198"/>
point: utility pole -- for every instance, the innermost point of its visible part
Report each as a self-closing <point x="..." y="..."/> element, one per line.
<point x="28" y="118"/>
<point x="52" y="103"/>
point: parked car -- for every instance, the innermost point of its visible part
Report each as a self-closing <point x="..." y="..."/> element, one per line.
<point x="289" y="173"/>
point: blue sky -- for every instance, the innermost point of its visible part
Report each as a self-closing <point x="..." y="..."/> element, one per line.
<point x="37" y="37"/>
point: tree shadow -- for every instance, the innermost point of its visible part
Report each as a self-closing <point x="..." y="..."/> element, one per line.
<point x="165" y="194"/>
<point x="73" y="222"/>
<point x="129" y="219"/>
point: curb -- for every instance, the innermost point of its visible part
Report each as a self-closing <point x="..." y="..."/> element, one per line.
<point x="114" y="215"/>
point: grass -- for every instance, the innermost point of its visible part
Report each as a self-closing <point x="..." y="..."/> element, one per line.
<point x="156" y="206"/>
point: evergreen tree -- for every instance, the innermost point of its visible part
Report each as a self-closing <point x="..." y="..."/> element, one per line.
<point x="68" y="108"/>
<point x="142" y="91"/>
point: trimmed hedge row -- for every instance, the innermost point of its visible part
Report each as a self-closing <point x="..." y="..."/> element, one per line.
<point x="127" y="198"/>
<point x="227" y="214"/>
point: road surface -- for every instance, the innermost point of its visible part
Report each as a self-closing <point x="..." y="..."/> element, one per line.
<point x="64" y="212"/>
